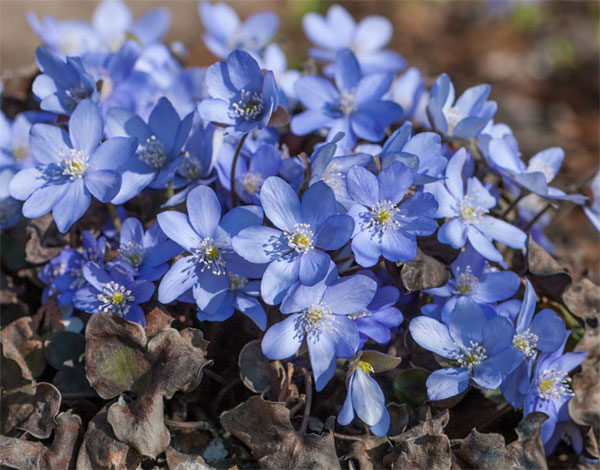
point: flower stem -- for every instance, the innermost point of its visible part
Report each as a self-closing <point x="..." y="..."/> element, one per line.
<point x="537" y="217"/>
<point x="513" y="205"/>
<point x="233" y="165"/>
<point x="112" y="210"/>
<point x="308" y="392"/>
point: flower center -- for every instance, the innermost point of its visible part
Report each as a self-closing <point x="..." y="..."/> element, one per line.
<point x="348" y="101"/>
<point x="208" y="255"/>
<point x="106" y="87"/>
<point x="332" y="177"/>
<point x="301" y="239"/>
<point x="20" y="152"/>
<point x="366" y="367"/>
<point x="542" y="167"/>
<point x="470" y="210"/>
<point x="466" y="283"/>
<point x="153" y="153"/>
<point x="471" y="356"/>
<point x="316" y="319"/>
<point x="554" y="385"/>
<point x="133" y="253"/>
<point x="191" y="167"/>
<point x="74" y="95"/>
<point x="453" y="117"/>
<point x="526" y="342"/>
<point x="364" y="313"/>
<point x="74" y="164"/>
<point x="383" y="216"/>
<point x="249" y="106"/>
<point x="252" y="182"/>
<point x="115" y="298"/>
<point x="236" y="281"/>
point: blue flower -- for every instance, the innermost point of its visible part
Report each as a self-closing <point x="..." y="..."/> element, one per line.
<point x="240" y="95"/>
<point x="71" y="167"/>
<point x="472" y="277"/>
<point x="410" y="92"/>
<point x="367" y="39"/>
<point x="144" y="254"/>
<point x="468" y="213"/>
<point x="593" y="211"/>
<point x="383" y="225"/>
<point x="251" y="173"/>
<point x="461" y="120"/>
<point x="226" y="33"/>
<point x="14" y="137"/>
<point x="353" y="106"/>
<point x="481" y="347"/>
<point x="528" y="208"/>
<point x="159" y="143"/>
<point x="295" y="248"/>
<point x="207" y="237"/>
<point x="366" y="399"/>
<point x="274" y="59"/>
<point x="537" y="174"/>
<point x="115" y="292"/>
<point x="65" y="38"/>
<point x="63" y="84"/>
<point x="319" y="313"/>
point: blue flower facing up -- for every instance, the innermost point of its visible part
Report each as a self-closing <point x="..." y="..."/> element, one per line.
<point x="472" y="277"/>
<point x="159" y="143"/>
<point x="385" y="226"/>
<point x="71" y="167"/>
<point x="296" y="247"/>
<point x="144" y="254"/>
<point x="468" y="211"/>
<point x="481" y="347"/>
<point x="113" y="291"/>
<point x="251" y="173"/>
<point x="226" y="33"/>
<point x="319" y="313"/>
<point x="464" y="119"/>
<point x="353" y="106"/>
<point x="367" y="39"/>
<point x="241" y="97"/>
<point x="202" y="233"/>
<point x="63" y="84"/>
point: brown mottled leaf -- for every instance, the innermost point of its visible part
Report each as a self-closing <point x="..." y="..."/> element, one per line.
<point x="428" y="452"/>
<point x="27" y="455"/>
<point x="157" y="320"/>
<point x="119" y="358"/>
<point x="583" y="300"/>
<point x="14" y="370"/>
<point x="31" y="408"/>
<point x="44" y="240"/>
<point x="266" y="429"/>
<point x="257" y="372"/>
<point x="432" y="426"/>
<point x="100" y="449"/>
<point x="548" y="277"/>
<point x="527" y="452"/>
<point x="178" y="461"/>
<point x="424" y="272"/>
<point x="22" y="335"/>
<point x="484" y="451"/>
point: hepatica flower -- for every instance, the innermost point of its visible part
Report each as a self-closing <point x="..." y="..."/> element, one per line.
<point x="593" y="211"/>
<point x="464" y="119"/>
<point x="385" y="226"/>
<point x="353" y="106"/>
<point x="468" y="211"/>
<point x="295" y="248"/>
<point x="241" y="97"/>
<point x="159" y="142"/>
<point x="481" y="347"/>
<point x="319" y="313"/>
<point x="207" y="239"/>
<point x="71" y="167"/>
<point x="114" y="291"/>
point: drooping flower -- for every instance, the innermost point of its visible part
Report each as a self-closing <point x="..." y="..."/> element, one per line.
<point x="295" y="249"/>
<point x="482" y="348"/>
<point x="464" y="119"/>
<point x="319" y="313"/>
<point x="593" y="211"/>
<point x="385" y="226"/>
<point x="353" y="106"/>
<point x="71" y="167"/>
<point x="115" y="291"/>
<point x="467" y="213"/>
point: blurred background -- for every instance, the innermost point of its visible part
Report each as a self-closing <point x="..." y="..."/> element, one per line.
<point x="541" y="58"/>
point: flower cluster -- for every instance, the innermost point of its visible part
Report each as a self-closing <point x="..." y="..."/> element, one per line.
<point x="214" y="205"/>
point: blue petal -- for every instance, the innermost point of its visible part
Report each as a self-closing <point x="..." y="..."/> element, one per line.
<point x="103" y="184"/>
<point x="252" y="308"/>
<point x="95" y="275"/>
<point x="210" y="290"/>
<point x="177" y="227"/>
<point x="433" y="335"/>
<point x="163" y="122"/>
<point x="366" y="248"/>
<point x="204" y="210"/>
<point x="114" y="153"/>
<point x="322" y="358"/>
<point x="483" y="245"/>
<point x="259" y="244"/>
<point x="486" y="375"/>
<point x="467" y="322"/>
<point x="496" y="286"/>
<point x="335" y="232"/>
<point x="280" y="203"/>
<point x="181" y="277"/>
<point x="346" y="414"/>
<point x="347" y="70"/>
<point x="142" y="291"/>
<point x="446" y="383"/>
<point x="318" y="203"/>
<point x="313" y="267"/>
<point x="550" y="330"/>
<point x="497" y="335"/>
<point x="71" y="207"/>
<point x="283" y="339"/>
<point x="350" y="294"/>
<point x="240" y="218"/>
<point x="383" y="425"/>
<point x="49" y="144"/>
<point x="44" y="199"/>
<point x="367" y="398"/>
<point x="131" y="231"/>
<point x="453" y="233"/>
<point x="398" y="246"/>
<point x="363" y="186"/>
<point x="394" y="181"/>
<point x="278" y="277"/>
<point x="503" y="232"/>
<point x="86" y="127"/>
<point x="315" y="92"/>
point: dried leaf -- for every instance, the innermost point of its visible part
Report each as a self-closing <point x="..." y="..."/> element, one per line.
<point x="119" y="359"/>
<point x="583" y="300"/>
<point x="101" y="450"/>
<point x="157" y="320"/>
<point x="484" y="451"/>
<point x="548" y="277"/>
<point x="15" y="371"/>
<point x="27" y="455"/>
<point x="178" y="461"/>
<point x="257" y="372"/>
<point x="266" y="429"/>
<point x="429" y="452"/>
<point x="44" y="240"/>
<point x="527" y="452"/>
<point x="23" y="336"/>
<point x="31" y="408"/>
<point x="433" y="426"/>
<point x="424" y="272"/>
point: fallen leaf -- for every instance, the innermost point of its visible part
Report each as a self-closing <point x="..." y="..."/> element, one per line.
<point x="527" y="452"/>
<point x="22" y="335"/>
<point x="429" y="452"/>
<point x="178" y="461"/>
<point x="257" y="372"/>
<point x="583" y="300"/>
<point x="424" y="272"/>
<point x="484" y="451"/>
<point x="157" y="320"/>
<point x="548" y="277"/>
<point x="44" y="240"/>
<point x="266" y="429"/>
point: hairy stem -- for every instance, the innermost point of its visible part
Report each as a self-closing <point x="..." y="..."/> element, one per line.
<point x="236" y="156"/>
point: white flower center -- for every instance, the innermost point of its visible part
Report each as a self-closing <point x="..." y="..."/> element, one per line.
<point x="471" y="356"/>
<point x="249" y="106"/>
<point x="252" y="182"/>
<point x="115" y="298"/>
<point x="301" y="239"/>
<point x="348" y="101"/>
<point x="236" y="281"/>
<point x="333" y="178"/>
<point x="383" y="216"/>
<point x="554" y="385"/>
<point x="74" y="163"/>
<point x="133" y="253"/>
<point x="208" y="255"/>
<point x="542" y="167"/>
<point x="153" y="153"/>
<point x="191" y="167"/>
<point x="316" y="319"/>
<point x="453" y="117"/>
<point x="526" y="342"/>
<point x="466" y="283"/>
<point x="470" y="210"/>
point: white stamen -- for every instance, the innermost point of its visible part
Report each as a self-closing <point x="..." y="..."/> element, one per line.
<point x="208" y="255"/>
<point x="526" y="342"/>
<point x="470" y="210"/>
<point x="115" y="298"/>
<point x="542" y="167"/>
<point x="252" y="182"/>
<point x="471" y="356"/>
<point x="301" y="239"/>
<point x="453" y="117"/>
<point x="383" y="216"/>
<point x="554" y="385"/>
<point x="133" y="253"/>
<point x="364" y="313"/>
<point x="332" y="177"/>
<point x="348" y="101"/>
<point x="249" y="106"/>
<point x="316" y="319"/>
<point x="191" y="167"/>
<point x="236" y="281"/>
<point x="73" y="163"/>
<point x="466" y="283"/>
<point x="153" y="152"/>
